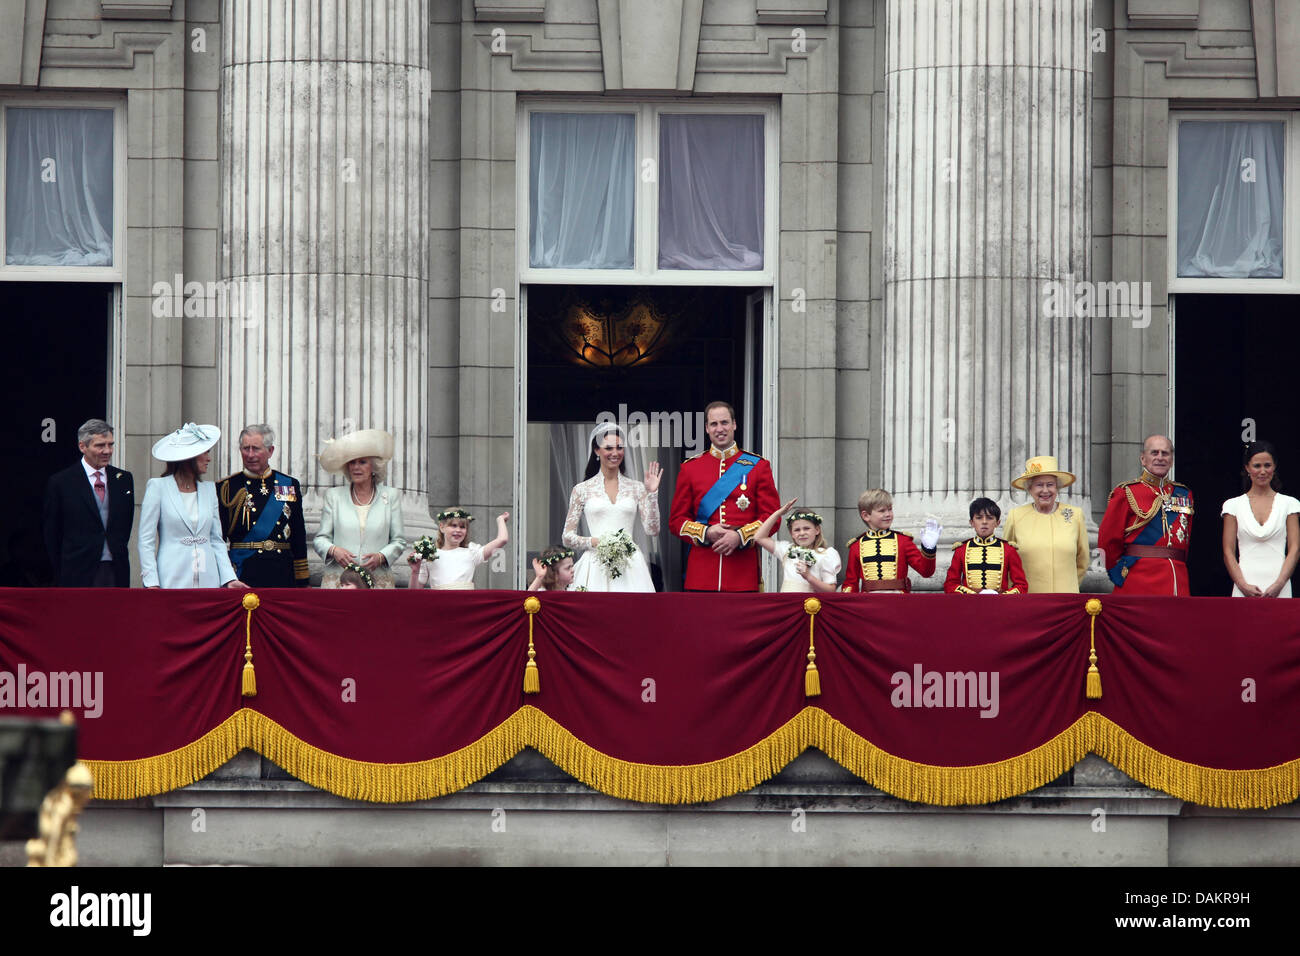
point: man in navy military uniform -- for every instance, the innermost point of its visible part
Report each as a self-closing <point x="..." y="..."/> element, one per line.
<point x="261" y="516"/>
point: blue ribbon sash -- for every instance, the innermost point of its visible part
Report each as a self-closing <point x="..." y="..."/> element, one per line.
<point x="727" y="482"/>
<point x="263" y="526"/>
<point x="1149" y="534"/>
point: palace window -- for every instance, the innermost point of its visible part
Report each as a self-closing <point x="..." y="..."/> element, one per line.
<point x="63" y="167"/>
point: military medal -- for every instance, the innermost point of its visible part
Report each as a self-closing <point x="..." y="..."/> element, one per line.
<point x="742" y="502"/>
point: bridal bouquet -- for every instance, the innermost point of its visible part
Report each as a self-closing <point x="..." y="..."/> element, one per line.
<point x="425" y="550"/>
<point x="613" y="552"/>
<point x="807" y="555"/>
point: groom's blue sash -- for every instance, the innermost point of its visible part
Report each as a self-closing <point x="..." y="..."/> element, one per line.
<point x="727" y="482"/>
<point x="262" y="527"/>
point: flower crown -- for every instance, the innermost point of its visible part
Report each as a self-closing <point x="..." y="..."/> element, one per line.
<point x="454" y="514"/>
<point x="556" y="558"/>
<point x="365" y="575"/>
<point x="812" y="516"/>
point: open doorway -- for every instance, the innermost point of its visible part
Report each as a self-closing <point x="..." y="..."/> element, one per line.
<point x="649" y="358"/>
<point x="62" y="329"/>
<point x="1234" y="381"/>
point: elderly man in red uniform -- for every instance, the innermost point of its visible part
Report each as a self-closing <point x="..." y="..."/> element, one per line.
<point x="1148" y="526"/>
<point x="721" y="499"/>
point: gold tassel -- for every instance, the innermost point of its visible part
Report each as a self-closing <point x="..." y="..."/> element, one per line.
<point x="532" y="676"/>
<point x="1093" y="607"/>
<point x="812" y="682"/>
<point x="251" y="602"/>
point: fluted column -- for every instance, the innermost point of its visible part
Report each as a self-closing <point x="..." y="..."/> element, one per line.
<point x="987" y="200"/>
<point x="324" y="228"/>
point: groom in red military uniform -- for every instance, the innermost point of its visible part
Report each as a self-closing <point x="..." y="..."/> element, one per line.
<point x="721" y="499"/>
<point x="1148" y="526"/>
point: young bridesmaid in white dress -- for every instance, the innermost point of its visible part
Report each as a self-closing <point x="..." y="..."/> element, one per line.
<point x="458" y="557"/>
<point x="1264" y="527"/>
<point x="799" y="574"/>
<point x="610" y="501"/>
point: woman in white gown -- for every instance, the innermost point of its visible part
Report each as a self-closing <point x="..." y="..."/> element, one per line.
<point x="1268" y="546"/>
<point x="610" y="501"/>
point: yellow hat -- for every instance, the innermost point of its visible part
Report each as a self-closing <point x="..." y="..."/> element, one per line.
<point x="1042" y="466"/>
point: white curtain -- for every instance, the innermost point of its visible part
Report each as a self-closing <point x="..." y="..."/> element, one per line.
<point x="710" y="192"/>
<point x="1228" y="225"/>
<point x="581" y="176"/>
<point x="59" y="187"/>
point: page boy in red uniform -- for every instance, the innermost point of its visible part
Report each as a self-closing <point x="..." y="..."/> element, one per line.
<point x="985" y="564"/>
<point x="879" y="557"/>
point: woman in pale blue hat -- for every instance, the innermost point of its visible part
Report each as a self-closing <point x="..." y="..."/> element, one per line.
<point x="180" y="527"/>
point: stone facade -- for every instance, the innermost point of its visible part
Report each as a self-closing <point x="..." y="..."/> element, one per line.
<point x="422" y="334"/>
<point x="436" y="358"/>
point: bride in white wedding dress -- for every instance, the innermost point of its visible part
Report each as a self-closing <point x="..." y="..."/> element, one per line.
<point x="610" y="500"/>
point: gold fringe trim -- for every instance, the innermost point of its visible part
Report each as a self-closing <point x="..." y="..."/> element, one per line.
<point x="954" y="786"/>
<point x="672" y="783"/>
<point x="1207" y="786"/>
<point x="342" y="776"/>
<point x="695" y="783"/>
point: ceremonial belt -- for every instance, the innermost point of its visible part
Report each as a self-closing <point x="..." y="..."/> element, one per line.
<point x="1147" y="551"/>
<point x="893" y="584"/>
<point x="262" y="545"/>
<point x="727" y="482"/>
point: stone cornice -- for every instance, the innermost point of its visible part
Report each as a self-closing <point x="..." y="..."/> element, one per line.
<point x="136" y="9"/>
<point x="1163" y="14"/>
<point x="92" y="52"/>
<point x="1179" y="65"/>
<point x="510" y="11"/>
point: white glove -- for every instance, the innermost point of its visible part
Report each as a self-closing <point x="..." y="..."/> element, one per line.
<point x="988" y="591"/>
<point x="930" y="536"/>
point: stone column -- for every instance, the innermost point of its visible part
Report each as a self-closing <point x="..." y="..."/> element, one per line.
<point x="324" y="230"/>
<point x="987" y="201"/>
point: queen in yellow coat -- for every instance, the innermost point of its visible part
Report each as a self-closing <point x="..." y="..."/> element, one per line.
<point x="1052" y="537"/>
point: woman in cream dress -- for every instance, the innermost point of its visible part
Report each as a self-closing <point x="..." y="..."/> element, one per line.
<point x="1269" y="547"/>
<point x="1051" y="537"/>
<point x="362" y="520"/>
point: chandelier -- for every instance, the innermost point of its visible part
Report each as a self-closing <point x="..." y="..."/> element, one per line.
<point x="619" y="338"/>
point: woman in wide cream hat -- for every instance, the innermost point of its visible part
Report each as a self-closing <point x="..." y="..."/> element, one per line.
<point x="360" y="522"/>
<point x="1052" y="537"/>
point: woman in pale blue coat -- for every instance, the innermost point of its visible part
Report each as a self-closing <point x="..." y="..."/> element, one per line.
<point x="180" y="539"/>
<point x="362" y="520"/>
